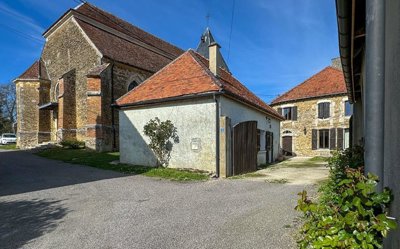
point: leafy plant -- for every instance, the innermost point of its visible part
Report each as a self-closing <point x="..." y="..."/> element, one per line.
<point x="162" y="134"/>
<point x="72" y="144"/>
<point x="349" y="213"/>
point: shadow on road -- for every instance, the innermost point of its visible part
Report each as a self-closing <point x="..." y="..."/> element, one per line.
<point x="22" y="172"/>
<point x="23" y="221"/>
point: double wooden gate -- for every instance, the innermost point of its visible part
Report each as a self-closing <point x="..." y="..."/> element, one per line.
<point x="244" y="147"/>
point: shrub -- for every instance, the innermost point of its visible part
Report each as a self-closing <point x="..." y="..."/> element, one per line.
<point x="72" y="144"/>
<point x="349" y="213"/>
<point x="162" y="136"/>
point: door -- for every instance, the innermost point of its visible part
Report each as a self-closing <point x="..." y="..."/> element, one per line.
<point x="269" y="146"/>
<point x="244" y="147"/>
<point x="287" y="145"/>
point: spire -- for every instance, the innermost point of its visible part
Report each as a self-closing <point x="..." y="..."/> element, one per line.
<point x="206" y="40"/>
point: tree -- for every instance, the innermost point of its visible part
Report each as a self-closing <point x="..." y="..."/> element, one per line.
<point x="7" y="107"/>
<point x="162" y="137"/>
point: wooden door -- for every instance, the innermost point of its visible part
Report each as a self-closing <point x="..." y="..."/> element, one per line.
<point x="244" y="147"/>
<point x="287" y="145"/>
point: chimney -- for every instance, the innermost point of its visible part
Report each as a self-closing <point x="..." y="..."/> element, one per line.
<point x="336" y="63"/>
<point x="214" y="58"/>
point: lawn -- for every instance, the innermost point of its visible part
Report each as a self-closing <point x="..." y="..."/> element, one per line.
<point x="103" y="161"/>
<point x="8" y="147"/>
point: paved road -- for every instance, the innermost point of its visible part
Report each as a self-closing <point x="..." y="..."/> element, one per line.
<point x="49" y="204"/>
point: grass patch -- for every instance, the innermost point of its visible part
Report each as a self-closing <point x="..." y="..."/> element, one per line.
<point x="103" y="161"/>
<point x="248" y="175"/>
<point x="8" y="147"/>
<point x="279" y="181"/>
<point x="319" y="159"/>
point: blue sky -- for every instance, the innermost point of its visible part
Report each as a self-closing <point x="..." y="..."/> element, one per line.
<point x="275" y="44"/>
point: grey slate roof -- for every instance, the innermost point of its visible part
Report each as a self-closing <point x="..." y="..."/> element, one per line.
<point x="205" y="40"/>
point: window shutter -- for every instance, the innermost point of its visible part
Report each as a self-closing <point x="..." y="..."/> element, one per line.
<point x="321" y="110"/>
<point x="294" y="115"/>
<point x="280" y="110"/>
<point x="340" y="138"/>
<point x="327" y="110"/>
<point x="314" y="139"/>
<point x="332" y="139"/>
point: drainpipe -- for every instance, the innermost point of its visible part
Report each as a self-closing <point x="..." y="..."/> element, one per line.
<point x="112" y="107"/>
<point x="216" y="134"/>
<point x="374" y="88"/>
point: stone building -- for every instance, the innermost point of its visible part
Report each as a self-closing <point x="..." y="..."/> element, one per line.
<point x="90" y="59"/>
<point x="317" y="114"/>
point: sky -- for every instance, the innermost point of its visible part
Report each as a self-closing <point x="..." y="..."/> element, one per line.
<point x="273" y="44"/>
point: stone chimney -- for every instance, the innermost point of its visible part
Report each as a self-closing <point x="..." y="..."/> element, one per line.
<point x="336" y="63"/>
<point x="214" y="58"/>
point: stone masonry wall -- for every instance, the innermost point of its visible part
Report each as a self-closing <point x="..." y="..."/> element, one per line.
<point x="307" y="119"/>
<point x="68" y="49"/>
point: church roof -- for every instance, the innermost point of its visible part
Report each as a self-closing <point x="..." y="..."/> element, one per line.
<point x="37" y="71"/>
<point x="119" y="40"/>
<point x="205" y="40"/>
<point x="189" y="76"/>
<point x="329" y="81"/>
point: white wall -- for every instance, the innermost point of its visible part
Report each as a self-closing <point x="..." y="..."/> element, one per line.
<point x="238" y="112"/>
<point x="195" y="123"/>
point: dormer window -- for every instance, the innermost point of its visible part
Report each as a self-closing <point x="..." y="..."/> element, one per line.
<point x="132" y="85"/>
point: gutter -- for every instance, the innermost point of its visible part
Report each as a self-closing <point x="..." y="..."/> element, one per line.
<point x="112" y="106"/>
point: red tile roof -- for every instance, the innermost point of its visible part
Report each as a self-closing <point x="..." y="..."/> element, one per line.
<point x="329" y="81"/>
<point x="123" y="50"/>
<point x="35" y="72"/>
<point x="189" y="75"/>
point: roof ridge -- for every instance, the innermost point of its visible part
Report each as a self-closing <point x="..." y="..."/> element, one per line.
<point x="127" y="23"/>
<point x="151" y="77"/>
<point x="297" y="86"/>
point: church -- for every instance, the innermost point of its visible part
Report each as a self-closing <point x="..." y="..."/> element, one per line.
<point x="89" y="60"/>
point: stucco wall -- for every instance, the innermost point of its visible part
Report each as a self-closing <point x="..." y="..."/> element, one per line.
<point x="238" y="113"/>
<point x="307" y="119"/>
<point x="195" y="121"/>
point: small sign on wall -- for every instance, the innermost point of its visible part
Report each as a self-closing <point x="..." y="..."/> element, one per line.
<point x="195" y="144"/>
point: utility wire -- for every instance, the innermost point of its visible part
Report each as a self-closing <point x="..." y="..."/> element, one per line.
<point x="230" y="33"/>
<point x="18" y="32"/>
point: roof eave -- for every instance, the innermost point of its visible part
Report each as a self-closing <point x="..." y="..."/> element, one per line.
<point x="307" y="98"/>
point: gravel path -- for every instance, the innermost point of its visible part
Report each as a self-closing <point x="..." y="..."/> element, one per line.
<point x="49" y="204"/>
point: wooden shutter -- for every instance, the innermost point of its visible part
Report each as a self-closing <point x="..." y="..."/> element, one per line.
<point x="340" y="138"/>
<point x="332" y="139"/>
<point x="294" y="114"/>
<point x="314" y="142"/>
<point x="280" y="110"/>
<point x="321" y="110"/>
<point x="327" y="110"/>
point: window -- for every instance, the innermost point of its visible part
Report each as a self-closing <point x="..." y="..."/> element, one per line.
<point x="348" y="109"/>
<point x="323" y="110"/>
<point x="289" y="113"/>
<point x="324" y="139"/>
<point x="132" y="85"/>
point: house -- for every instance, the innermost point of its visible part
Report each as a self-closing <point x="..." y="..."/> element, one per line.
<point x="369" y="43"/>
<point x="90" y="58"/>
<point x="222" y="126"/>
<point x="317" y="114"/>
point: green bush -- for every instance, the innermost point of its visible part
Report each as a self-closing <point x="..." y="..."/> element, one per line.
<point x="349" y="213"/>
<point x="72" y="144"/>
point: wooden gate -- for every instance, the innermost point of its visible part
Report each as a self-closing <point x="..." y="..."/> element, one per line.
<point x="244" y="147"/>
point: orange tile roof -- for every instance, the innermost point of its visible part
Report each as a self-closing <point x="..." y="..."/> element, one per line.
<point x="35" y="72"/>
<point x="329" y="81"/>
<point x="189" y="75"/>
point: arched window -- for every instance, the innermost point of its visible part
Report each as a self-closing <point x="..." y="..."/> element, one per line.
<point x="132" y="85"/>
<point x="56" y="91"/>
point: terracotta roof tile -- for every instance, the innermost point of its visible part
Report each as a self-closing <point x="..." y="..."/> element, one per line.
<point x="189" y="75"/>
<point x="36" y="71"/>
<point x="121" y="49"/>
<point x="329" y="81"/>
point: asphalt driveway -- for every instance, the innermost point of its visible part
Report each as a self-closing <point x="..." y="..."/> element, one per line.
<point x="49" y="204"/>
